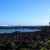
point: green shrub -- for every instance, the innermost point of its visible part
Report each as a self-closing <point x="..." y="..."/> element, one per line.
<point x="23" y="49"/>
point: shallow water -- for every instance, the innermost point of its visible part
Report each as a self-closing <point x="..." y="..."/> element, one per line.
<point x="20" y="30"/>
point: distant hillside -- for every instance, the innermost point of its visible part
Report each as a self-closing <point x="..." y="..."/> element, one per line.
<point x="30" y="27"/>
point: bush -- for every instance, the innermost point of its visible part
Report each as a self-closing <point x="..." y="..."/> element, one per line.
<point x="23" y="49"/>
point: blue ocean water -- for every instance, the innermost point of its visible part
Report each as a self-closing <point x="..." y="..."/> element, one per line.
<point x="20" y="30"/>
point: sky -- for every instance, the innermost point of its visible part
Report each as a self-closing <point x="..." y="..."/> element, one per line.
<point x="24" y="12"/>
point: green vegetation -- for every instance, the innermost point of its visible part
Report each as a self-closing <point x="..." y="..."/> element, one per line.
<point x="43" y="49"/>
<point x="44" y="45"/>
<point x="23" y="49"/>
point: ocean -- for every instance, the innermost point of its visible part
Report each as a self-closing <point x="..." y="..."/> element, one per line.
<point x="20" y="30"/>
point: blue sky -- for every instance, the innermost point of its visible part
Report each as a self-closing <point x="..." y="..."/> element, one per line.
<point x="24" y="12"/>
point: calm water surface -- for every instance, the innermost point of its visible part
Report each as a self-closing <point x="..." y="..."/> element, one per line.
<point x="20" y="30"/>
